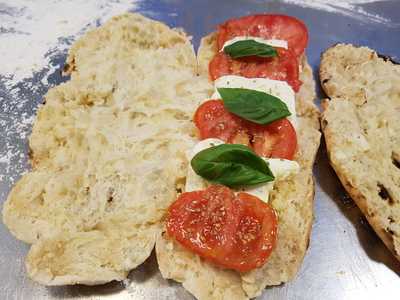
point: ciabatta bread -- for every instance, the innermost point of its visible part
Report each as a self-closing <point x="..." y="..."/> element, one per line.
<point x="292" y="199"/>
<point x="361" y="128"/>
<point x="108" y="151"/>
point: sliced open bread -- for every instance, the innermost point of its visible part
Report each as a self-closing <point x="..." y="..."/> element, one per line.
<point x="108" y="151"/>
<point x="361" y="128"/>
<point x="292" y="199"/>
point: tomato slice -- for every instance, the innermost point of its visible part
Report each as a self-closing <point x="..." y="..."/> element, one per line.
<point x="266" y="26"/>
<point x="204" y="221"/>
<point x="255" y="237"/>
<point x="235" y="232"/>
<point x="277" y="139"/>
<point x="284" y="67"/>
<point x="213" y="120"/>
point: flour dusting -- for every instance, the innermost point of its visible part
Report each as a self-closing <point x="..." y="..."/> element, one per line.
<point x="33" y="29"/>
<point x="34" y="39"/>
<point x="350" y="8"/>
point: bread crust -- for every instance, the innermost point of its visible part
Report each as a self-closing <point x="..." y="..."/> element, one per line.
<point x="293" y="200"/>
<point x="359" y="123"/>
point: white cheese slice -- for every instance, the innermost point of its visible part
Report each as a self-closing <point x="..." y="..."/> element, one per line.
<point x="270" y="42"/>
<point x="281" y="168"/>
<point x="277" y="88"/>
<point x="195" y="182"/>
<point x="204" y="144"/>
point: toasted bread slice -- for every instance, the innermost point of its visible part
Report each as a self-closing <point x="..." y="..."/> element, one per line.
<point x="292" y="199"/>
<point x="361" y="128"/>
<point x="108" y="151"/>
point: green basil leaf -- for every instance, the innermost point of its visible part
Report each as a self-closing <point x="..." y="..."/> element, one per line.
<point x="231" y="165"/>
<point x="250" y="48"/>
<point x="254" y="106"/>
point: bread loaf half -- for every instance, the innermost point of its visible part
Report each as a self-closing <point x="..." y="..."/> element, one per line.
<point x="108" y="152"/>
<point x="292" y="199"/>
<point x="361" y="128"/>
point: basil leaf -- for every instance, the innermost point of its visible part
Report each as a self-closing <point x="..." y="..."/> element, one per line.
<point x="250" y="48"/>
<point x="231" y="165"/>
<point x="254" y="106"/>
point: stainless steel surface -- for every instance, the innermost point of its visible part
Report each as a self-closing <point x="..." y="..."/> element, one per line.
<point x="345" y="260"/>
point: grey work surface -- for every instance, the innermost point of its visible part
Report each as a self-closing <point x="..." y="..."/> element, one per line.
<point x="346" y="260"/>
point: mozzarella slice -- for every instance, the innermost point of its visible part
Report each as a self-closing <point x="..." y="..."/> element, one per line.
<point x="270" y="42"/>
<point x="277" y="88"/>
<point x="281" y="168"/>
<point x="204" y="144"/>
<point x="195" y="182"/>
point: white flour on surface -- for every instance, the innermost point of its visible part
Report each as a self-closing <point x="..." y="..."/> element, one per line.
<point x="33" y="29"/>
<point x="350" y="8"/>
<point x="34" y="39"/>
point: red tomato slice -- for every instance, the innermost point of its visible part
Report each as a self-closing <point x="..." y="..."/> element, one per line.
<point x="204" y="221"/>
<point x="283" y="67"/>
<point x="213" y="120"/>
<point x="277" y="139"/>
<point x="235" y="232"/>
<point x="255" y="236"/>
<point x="278" y="27"/>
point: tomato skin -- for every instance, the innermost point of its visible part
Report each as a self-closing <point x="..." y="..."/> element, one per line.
<point x="269" y="27"/>
<point x="277" y="139"/>
<point x="284" y="67"/>
<point x="232" y="231"/>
